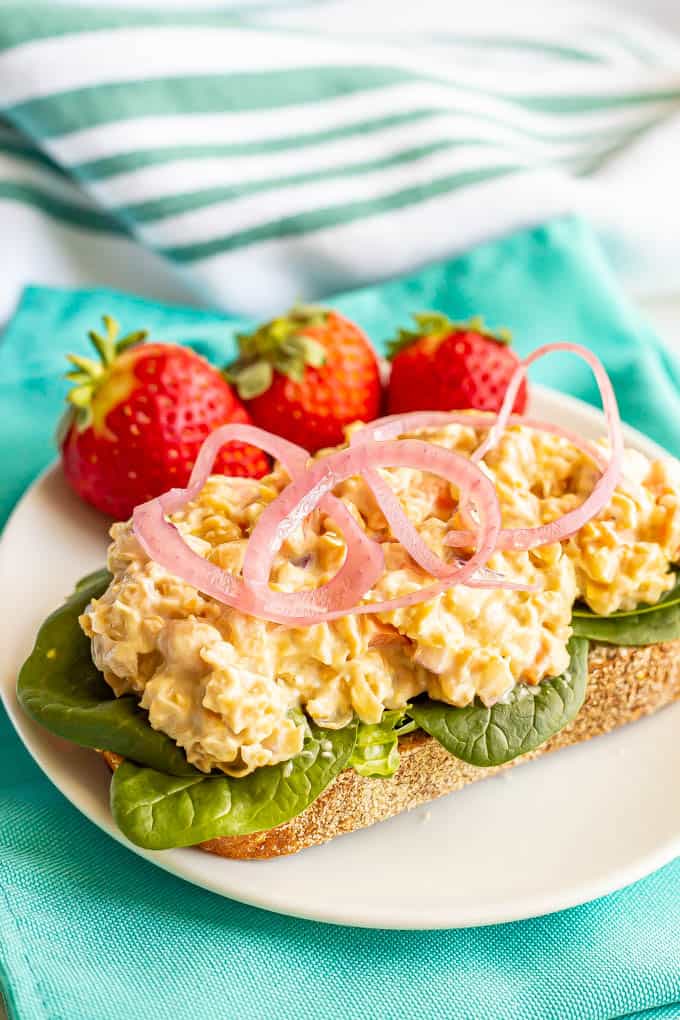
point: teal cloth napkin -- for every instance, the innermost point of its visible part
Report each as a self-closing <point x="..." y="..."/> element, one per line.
<point x="88" y="931"/>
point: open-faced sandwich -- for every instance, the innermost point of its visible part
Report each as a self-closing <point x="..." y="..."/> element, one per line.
<point x="270" y="663"/>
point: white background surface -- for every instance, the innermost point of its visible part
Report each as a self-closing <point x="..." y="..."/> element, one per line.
<point x="664" y="313"/>
<point x="666" y="12"/>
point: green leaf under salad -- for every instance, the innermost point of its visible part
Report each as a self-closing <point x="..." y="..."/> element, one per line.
<point x="491" y="736"/>
<point x="159" y="800"/>
<point x="376" y="752"/>
<point x="99" y="579"/>
<point x="646" y="625"/>
<point x="60" y="687"/>
<point x="157" y="811"/>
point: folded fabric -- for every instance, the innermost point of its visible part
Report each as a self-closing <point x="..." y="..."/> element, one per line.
<point x="88" y="931"/>
<point x="268" y="152"/>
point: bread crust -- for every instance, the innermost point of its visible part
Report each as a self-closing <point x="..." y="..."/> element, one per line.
<point x="624" y="684"/>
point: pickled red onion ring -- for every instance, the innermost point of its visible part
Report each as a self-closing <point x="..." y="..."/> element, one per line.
<point x="419" y="551"/>
<point x="286" y="513"/>
<point x="403" y="530"/>
<point x="294" y="459"/>
<point x="392" y="426"/>
<point x="569" y="523"/>
<point x="163" y="543"/>
<point x="161" y="540"/>
<point x="363" y="564"/>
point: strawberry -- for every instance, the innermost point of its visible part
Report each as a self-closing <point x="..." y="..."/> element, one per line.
<point x="306" y="375"/>
<point x="137" y="419"/>
<point x="445" y="366"/>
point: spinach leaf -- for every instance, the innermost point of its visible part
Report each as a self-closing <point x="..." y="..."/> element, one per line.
<point x="101" y="578"/>
<point x="376" y="751"/>
<point x="60" y="687"/>
<point x="646" y="625"/>
<point x="490" y="736"/>
<point x="643" y="628"/>
<point x="671" y="597"/>
<point x="157" y="811"/>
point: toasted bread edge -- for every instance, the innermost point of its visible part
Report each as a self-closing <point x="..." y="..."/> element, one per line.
<point x="624" y="684"/>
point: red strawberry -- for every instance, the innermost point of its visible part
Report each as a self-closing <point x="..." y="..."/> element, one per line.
<point x="137" y="420"/>
<point x="306" y="375"/>
<point x="444" y="366"/>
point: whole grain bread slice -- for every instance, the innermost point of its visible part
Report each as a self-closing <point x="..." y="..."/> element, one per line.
<point x="623" y="685"/>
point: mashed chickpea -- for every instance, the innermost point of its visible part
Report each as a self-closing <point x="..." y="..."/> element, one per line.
<point x="226" y="686"/>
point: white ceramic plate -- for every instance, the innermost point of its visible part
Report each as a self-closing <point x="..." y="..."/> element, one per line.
<point x="548" y="835"/>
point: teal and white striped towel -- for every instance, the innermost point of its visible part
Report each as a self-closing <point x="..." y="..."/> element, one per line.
<point x="256" y="154"/>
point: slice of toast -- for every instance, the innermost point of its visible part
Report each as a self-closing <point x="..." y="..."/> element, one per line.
<point x="623" y="685"/>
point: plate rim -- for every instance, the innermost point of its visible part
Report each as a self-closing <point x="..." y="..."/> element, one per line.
<point x="179" y="862"/>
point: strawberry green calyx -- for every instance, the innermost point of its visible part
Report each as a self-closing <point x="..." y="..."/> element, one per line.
<point x="282" y="345"/>
<point x="438" y="325"/>
<point x="89" y="373"/>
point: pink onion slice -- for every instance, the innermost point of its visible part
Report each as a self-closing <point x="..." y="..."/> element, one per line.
<point x="361" y="568"/>
<point x="392" y="426"/>
<point x="569" y="523"/>
<point x="406" y="533"/>
<point x="161" y="540"/>
<point x="164" y="544"/>
<point x="283" y="516"/>
<point x="395" y="425"/>
<point x="402" y="529"/>
<point x="295" y="459"/>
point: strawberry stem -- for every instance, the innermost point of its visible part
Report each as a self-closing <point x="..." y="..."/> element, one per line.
<point x="281" y="345"/>
<point x="89" y="373"/>
<point x="437" y="324"/>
